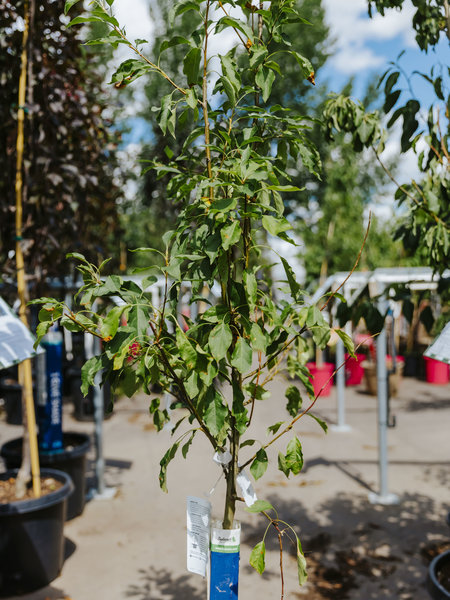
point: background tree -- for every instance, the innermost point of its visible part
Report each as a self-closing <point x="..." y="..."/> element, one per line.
<point x="151" y="214"/>
<point x="335" y="218"/>
<point x="333" y="195"/>
<point x="71" y="189"/>
<point x="425" y="227"/>
<point x="425" y="230"/>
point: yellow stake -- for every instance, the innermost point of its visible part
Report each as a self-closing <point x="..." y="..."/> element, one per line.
<point x="25" y="367"/>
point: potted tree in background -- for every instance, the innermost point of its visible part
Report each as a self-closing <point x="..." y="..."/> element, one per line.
<point x="31" y="517"/>
<point x="229" y="179"/>
<point x="68" y="192"/>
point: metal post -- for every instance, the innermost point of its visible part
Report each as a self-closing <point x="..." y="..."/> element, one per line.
<point x="98" y="419"/>
<point x="340" y="389"/>
<point x="102" y="492"/>
<point x="41" y="378"/>
<point x="383" y="497"/>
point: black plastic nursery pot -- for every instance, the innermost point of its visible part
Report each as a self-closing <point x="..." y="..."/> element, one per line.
<point x="11" y="392"/>
<point x="71" y="459"/>
<point x="439" y="577"/>
<point x="32" y="537"/>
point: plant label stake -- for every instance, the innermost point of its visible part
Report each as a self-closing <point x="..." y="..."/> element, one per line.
<point x="225" y="552"/>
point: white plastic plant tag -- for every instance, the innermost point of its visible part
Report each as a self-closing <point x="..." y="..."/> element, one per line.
<point x="246" y="486"/>
<point x="225" y="540"/>
<point x="222" y="458"/>
<point x="198" y="516"/>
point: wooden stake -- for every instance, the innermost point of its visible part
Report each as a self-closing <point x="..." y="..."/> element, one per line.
<point x="25" y="367"/>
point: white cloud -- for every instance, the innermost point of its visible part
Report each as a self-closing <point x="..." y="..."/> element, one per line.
<point x="135" y="16"/>
<point x="353" y="31"/>
<point x="355" y="59"/>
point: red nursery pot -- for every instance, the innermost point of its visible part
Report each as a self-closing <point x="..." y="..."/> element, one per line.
<point x="436" y="371"/>
<point x="321" y="376"/>
<point x="354" y="372"/>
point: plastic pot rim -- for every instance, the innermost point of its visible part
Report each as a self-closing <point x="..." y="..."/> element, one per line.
<point x="32" y="504"/>
<point x="81" y="446"/>
<point x="433" y="582"/>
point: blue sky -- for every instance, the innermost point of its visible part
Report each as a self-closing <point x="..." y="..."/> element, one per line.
<point x="363" y="46"/>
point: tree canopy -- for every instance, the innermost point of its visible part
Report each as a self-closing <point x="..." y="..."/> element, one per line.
<point x="70" y="192"/>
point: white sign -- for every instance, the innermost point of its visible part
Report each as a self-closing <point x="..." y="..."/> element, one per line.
<point x="16" y="341"/>
<point x="440" y="348"/>
<point x="198" y="515"/>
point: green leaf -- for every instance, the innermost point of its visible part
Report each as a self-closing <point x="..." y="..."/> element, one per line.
<point x="160" y="418"/>
<point x="259" y="506"/>
<point x="230" y="234"/>
<point x="275" y="427"/>
<point x="319" y="328"/>
<point x="294" y="456"/>
<point x="238" y="409"/>
<point x="80" y="19"/>
<point x="305" y="64"/>
<point x="186" y="446"/>
<point x="275" y="225"/>
<point x="347" y="340"/>
<point x="293" y="285"/>
<point x="294" y="404"/>
<point x="259" y="464"/>
<point x="122" y="353"/>
<point x="257" y="557"/>
<point x="166" y="105"/>
<point x="182" y="7"/>
<point x="41" y="330"/>
<point x="231" y="73"/>
<point x="365" y="130"/>
<point x="187" y="351"/>
<point x="68" y="5"/>
<point x="282" y="464"/>
<point x="257" y="55"/>
<point x="247" y="443"/>
<point x="168" y="456"/>
<point x="257" y="338"/>
<point x="236" y="24"/>
<point x="264" y="79"/>
<point x="228" y="89"/>
<point x="251" y="287"/>
<point x="242" y="356"/>
<point x="191" y="98"/>
<point x="215" y="413"/>
<point x="138" y="319"/>
<point x="70" y="325"/>
<point x="88" y="372"/>
<point x="175" y="41"/>
<point x="130" y="383"/>
<point x="319" y="421"/>
<point x="391" y="100"/>
<point x="390" y="82"/>
<point x="220" y="340"/>
<point x="223" y="205"/>
<point x="191" y="65"/>
<point x="191" y="385"/>
<point x="110" y="286"/>
<point x="301" y="564"/>
<point x="110" y="324"/>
